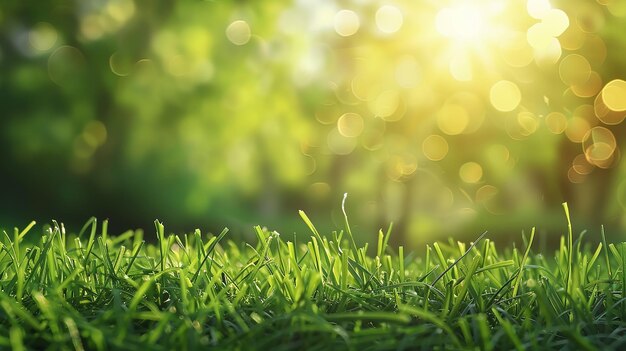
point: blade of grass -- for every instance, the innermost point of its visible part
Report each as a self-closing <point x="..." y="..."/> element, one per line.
<point x="518" y="279"/>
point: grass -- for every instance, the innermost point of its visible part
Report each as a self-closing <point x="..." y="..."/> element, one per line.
<point x="94" y="291"/>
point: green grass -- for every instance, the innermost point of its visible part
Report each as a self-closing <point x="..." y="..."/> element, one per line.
<point x="90" y="290"/>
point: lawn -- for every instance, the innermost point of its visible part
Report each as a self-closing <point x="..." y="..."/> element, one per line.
<point x="92" y="290"/>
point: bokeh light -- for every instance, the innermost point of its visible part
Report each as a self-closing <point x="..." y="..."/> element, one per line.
<point x="421" y="110"/>
<point x="389" y="19"/>
<point x="505" y="96"/>
<point x="238" y="32"/>
<point x="471" y="172"/>
<point x="350" y="125"/>
<point x="435" y="147"/>
<point x="347" y="23"/>
<point x="43" y="36"/>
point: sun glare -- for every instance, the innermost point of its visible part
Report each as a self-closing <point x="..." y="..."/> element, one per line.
<point x="464" y="23"/>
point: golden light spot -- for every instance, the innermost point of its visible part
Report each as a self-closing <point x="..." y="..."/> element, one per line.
<point x="549" y="55"/>
<point x="435" y="147"/>
<point x="43" y="36"/>
<point x="574" y="176"/>
<point x="605" y="114"/>
<point x="385" y="104"/>
<point x="463" y="23"/>
<point x="556" y="122"/>
<point x="599" y="145"/>
<point x="238" y="32"/>
<point x="528" y="123"/>
<point x="538" y="8"/>
<point x="573" y="38"/>
<point x="614" y="95"/>
<point x="474" y="108"/>
<point x="505" y="96"/>
<point x="601" y="163"/>
<point x="373" y="139"/>
<point x="471" y="172"/>
<point x="574" y="69"/>
<point x="361" y="87"/>
<point x="516" y="51"/>
<point x="452" y="119"/>
<point x="389" y="19"/>
<point x="580" y="165"/>
<point x="338" y="144"/>
<point x="407" y="72"/>
<point x="576" y="129"/>
<point x="590" y="87"/>
<point x="400" y="166"/>
<point x="347" y="23"/>
<point x="556" y="22"/>
<point x="598" y="154"/>
<point x="486" y="193"/>
<point x="586" y="111"/>
<point x="350" y="125"/>
<point x="538" y="36"/>
<point x="460" y="68"/>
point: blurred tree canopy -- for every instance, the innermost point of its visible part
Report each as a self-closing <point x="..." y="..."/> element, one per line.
<point x="438" y="116"/>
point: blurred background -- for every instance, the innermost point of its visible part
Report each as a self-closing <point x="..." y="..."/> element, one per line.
<point x="446" y="118"/>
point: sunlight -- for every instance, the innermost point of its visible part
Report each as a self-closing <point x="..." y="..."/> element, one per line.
<point x="466" y="23"/>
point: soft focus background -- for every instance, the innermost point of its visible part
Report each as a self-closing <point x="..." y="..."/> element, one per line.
<point x="445" y="117"/>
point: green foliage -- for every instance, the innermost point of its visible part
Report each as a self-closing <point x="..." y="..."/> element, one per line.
<point x="95" y="291"/>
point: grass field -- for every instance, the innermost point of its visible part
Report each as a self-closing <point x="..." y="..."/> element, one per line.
<point x="90" y="290"/>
